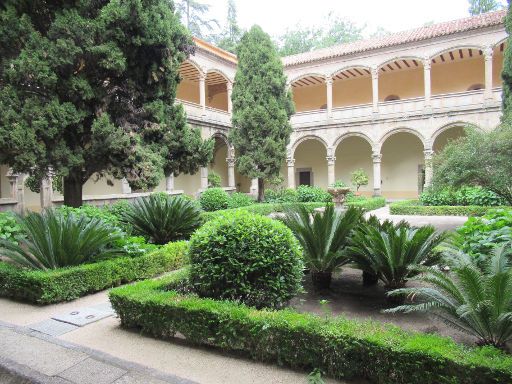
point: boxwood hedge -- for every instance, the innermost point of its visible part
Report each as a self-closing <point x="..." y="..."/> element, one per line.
<point x="53" y="286"/>
<point x="414" y="207"/>
<point x="339" y="347"/>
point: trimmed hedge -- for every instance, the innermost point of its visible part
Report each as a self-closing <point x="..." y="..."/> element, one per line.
<point x="268" y="208"/>
<point x="414" y="207"/>
<point x="53" y="286"/>
<point x="339" y="347"/>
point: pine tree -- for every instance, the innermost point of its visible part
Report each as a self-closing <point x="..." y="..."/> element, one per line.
<point x="477" y="7"/>
<point x="88" y="88"/>
<point x="262" y="107"/>
<point x="194" y="15"/>
<point x="506" y="73"/>
<point x="232" y="33"/>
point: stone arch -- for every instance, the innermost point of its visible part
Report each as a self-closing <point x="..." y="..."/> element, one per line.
<point x="188" y="87"/>
<point x="353" y="66"/>
<point x="453" y="130"/>
<point x="351" y="85"/>
<point x="445" y="127"/>
<point x="305" y="75"/>
<point x="455" y="48"/>
<point x="196" y="65"/>
<point x="400" y="59"/>
<point x="217" y="89"/>
<point x="414" y="132"/>
<point x="401" y="77"/>
<point x="501" y="41"/>
<point x="302" y="139"/>
<point x="352" y="134"/>
<point x="309" y="92"/>
<point x="220" y="72"/>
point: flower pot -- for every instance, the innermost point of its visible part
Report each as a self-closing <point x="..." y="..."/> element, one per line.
<point x="339" y="195"/>
<point x="321" y="280"/>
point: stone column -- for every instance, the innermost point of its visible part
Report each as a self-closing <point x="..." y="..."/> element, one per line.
<point x="169" y="183"/>
<point x="427" y="80"/>
<point x="375" y="90"/>
<point x="13" y="184"/>
<point x="377" y="158"/>
<point x="231" y="172"/>
<point x="21" y="193"/>
<point x="291" y="173"/>
<point x="429" y="171"/>
<point x="202" y="92"/>
<point x="46" y="192"/>
<point x="254" y="187"/>
<point x="331" y="175"/>
<point x="125" y="187"/>
<point x="328" y="83"/>
<point x="229" y="87"/>
<point x="488" y="73"/>
<point x="204" y="178"/>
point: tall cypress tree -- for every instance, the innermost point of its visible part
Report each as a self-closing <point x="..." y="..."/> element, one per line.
<point x="88" y="88"/>
<point x="506" y="73"/>
<point x="262" y="107"/>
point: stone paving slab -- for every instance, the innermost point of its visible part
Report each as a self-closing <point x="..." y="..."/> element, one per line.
<point x="28" y="356"/>
<point x="82" y="316"/>
<point x="53" y="327"/>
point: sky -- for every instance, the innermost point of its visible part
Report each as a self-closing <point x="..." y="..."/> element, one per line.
<point x="275" y="16"/>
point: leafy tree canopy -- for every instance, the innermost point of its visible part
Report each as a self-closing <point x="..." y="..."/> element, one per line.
<point x="262" y="107"/>
<point x="88" y="87"/>
<point x="195" y="15"/>
<point x="477" y="7"/>
<point x="506" y="72"/>
<point x="229" y="38"/>
<point x="479" y="158"/>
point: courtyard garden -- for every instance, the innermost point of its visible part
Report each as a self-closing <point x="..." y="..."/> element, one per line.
<point x="330" y="291"/>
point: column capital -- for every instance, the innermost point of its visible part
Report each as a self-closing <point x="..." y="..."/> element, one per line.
<point x="427" y="63"/>
<point x="230" y="161"/>
<point x="229" y="86"/>
<point x="290" y="162"/>
<point x="488" y="51"/>
<point x="428" y="153"/>
<point x="376" y="157"/>
<point x="331" y="159"/>
<point x="328" y="80"/>
<point x="375" y="73"/>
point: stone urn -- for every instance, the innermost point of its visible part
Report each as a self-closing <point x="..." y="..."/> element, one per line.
<point x="339" y="194"/>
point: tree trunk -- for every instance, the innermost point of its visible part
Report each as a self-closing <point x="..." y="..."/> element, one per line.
<point x="261" y="190"/>
<point x="321" y="280"/>
<point x="73" y="189"/>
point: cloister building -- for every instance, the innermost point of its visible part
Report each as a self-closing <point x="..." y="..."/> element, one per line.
<point x="385" y="105"/>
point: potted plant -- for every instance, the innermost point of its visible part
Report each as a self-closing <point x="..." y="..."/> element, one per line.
<point x="338" y="191"/>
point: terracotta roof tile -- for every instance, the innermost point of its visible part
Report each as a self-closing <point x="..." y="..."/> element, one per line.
<point x="418" y="34"/>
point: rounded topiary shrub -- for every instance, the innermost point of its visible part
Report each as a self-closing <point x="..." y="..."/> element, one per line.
<point x="214" y="199"/>
<point x="248" y="258"/>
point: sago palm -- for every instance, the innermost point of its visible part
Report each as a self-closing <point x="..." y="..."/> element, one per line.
<point x="388" y="250"/>
<point x="163" y="218"/>
<point x="473" y="300"/>
<point x="323" y="238"/>
<point x="53" y="240"/>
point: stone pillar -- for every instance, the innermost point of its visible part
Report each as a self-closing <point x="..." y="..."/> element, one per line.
<point x="377" y="158"/>
<point x="21" y="193"/>
<point x="328" y="82"/>
<point x="125" y="187"/>
<point x="375" y="90"/>
<point x="169" y="183"/>
<point x="427" y="80"/>
<point x="488" y="73"/>
<point x="291" y="173"/>
<point x="13" y="184"/>
<point x="254" y="187"/>
<point x="46" y="192"/>
<point x="202" y="92"/>
<point x="229" y="87"/>
<point x="204" y="178"/>
<point x="331" y="175"/>
<point x="429" y="171"/>
<point x="231" y="172"/>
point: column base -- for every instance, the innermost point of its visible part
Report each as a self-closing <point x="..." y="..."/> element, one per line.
<point x="377" y="192"/>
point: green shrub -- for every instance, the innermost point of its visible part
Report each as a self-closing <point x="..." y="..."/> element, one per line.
<point x="246" y="257"/>
<point x="134" y="246"/>
<point x="389" y="251"/>
<point x="475" y="300"/>
<point x="306" y="194"/>
<point x="63" y="284"/>
<point x="10" y="229"/>
<point x="118" y="210"/>
<point x="414" y="207"/>
<point x="214" y="180"/>
<point x="342" y="349"/>
<point x="464" y="196"/>
<point x="54" y="240"/>
<point x="359" y="178"/>
<point x="91" y="212"/>
<point x="323" y="238"/>
<point x="214" y="199"/>
<point x="368" y="204"/>
<point x="480" y="235"/>
<point x="288" y="195"/>
<point x="238" y="199"/>
<point x="162" y="218"/>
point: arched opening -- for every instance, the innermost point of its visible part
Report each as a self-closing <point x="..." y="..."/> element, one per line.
<point x="309" y="93"/>
<point x="219" y="163"/>
<point x="497" y="64"/>
<point x="216" y="91"/>
<point x="402" y="79"/>
<point x="447" y="135"/>
<point x="354" y="153"/>
<point x="352" y="86"/>
<point x="311" y="163"/>
<point x="392" y="98"/>
<point x="456" y="70"/>
<point x="402" y="167"/>
<point x="188" y="88"/>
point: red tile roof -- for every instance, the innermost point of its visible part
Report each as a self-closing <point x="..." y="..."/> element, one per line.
<point x="418" y="34"/>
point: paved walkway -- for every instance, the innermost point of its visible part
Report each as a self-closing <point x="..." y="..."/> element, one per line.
<point x="442" y="223"/>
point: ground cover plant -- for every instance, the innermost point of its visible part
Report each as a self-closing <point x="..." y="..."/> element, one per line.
<point x="463" y="196"/>
<point x="415" y="207"/>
